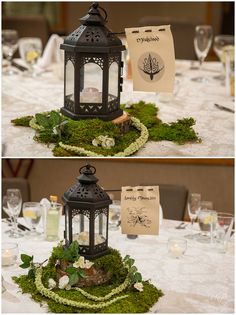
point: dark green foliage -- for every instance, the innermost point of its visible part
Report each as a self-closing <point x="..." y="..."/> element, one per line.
<point x="26" y="261"/>
<point x="82" y="132"/>
<point x="23" y="121"/>
<point x="111" y="262"/>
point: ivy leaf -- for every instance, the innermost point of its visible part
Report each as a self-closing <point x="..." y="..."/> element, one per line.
<point x="131" y="262"/>
<point x="26" y="258"/>
<point x="31" y="273"/>
<point x="137" y="277"/>
<point x="54" y="119"/>
<point x="82" y="273"/>
<point x="133" y="269"/>
<point x="71" y="270"/>
<point x="73" y="278"/>
<point x="72" y="252"/>
<point x="127" y="257"/>
<point x="25" y="265"/>
<point x="42" y="120"/>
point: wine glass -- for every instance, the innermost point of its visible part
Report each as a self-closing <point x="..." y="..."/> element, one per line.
<point x="202" y="44"/>
<point x="9" y="47"/>
<point x="14" y="202"/>
<point x="224" y="228"/>
<point x="221" y="44"/>
<point x="194" y="206"/>
<point x="32" y="213"/>
<point x="30" y="51"/>
<point x="6" y="210"/>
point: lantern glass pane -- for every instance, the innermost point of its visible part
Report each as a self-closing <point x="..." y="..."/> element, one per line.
<point x="113" y="81"/>
<point x="69" y="81"/>
<point x="92" y="87"/>
<point x="100" y="229"/>
<point x="80" y="225"/>
<point x="67" y="223"/>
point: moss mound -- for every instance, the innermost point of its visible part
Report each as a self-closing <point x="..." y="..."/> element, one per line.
<point x="136" y="302"/>
<point x="81" y="133"/>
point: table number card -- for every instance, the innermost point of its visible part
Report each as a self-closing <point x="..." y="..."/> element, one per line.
<point x="152" y="57"/>
<point x="140" y="210"/>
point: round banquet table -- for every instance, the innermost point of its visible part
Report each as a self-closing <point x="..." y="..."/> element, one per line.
<point x="23" y="96"/>
<point x="202" y="281"/>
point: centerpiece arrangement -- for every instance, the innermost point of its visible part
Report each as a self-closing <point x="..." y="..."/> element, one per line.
<point x="83" y="274"/>
<point x="92" y="121"/>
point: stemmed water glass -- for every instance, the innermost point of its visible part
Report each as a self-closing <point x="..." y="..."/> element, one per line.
<point x="202" y="44"/>
<point x="14" y="202"/>
<point x="32" y="213"/>
<point x="9" y="47"/>
<point x="194" y="206"/>
<point x="30" y="51"/>
<point x="6" y="210"/>
<point x="223" y="43"/>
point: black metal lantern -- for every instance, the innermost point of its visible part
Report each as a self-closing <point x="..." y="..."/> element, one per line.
<point x="93" y="69"/>
<point x="86" y="214"/>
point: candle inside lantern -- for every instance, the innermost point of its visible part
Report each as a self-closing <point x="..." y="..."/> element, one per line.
<point x="83" y="238"/>
<point x="177" y="247"/>
<point x="9" y="253"/>
<point x="90" y="95"/>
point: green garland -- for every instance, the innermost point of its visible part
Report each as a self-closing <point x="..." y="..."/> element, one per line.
<point x="54" y="296"/>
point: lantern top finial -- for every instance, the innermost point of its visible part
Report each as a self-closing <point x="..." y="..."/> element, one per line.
<point x="87" y="174"/>
<point x="94" y="16"/>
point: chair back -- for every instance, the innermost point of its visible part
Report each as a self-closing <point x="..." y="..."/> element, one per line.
<point x="183" y="34"/>
<point x="28" y="26"/>
<point x="19" y="183"/>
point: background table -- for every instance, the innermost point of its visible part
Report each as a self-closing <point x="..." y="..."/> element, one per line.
<point x="200" y="282"/>
<point x="23" y="96"/>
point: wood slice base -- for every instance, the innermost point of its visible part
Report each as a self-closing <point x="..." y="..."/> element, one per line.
<point x="123" y="122"/>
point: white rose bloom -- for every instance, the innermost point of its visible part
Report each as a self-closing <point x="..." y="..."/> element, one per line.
<point x="108" y="143"/>
<point x="79" y="263"/>
<point x="138" y="286"/>
<point x="82" y="263"/>
<point x="51" y="284"/>
<point x="95" y="142"/>
<point x="63" y="281"/>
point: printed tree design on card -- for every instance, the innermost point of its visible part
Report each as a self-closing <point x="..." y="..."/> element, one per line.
<point x="138" y="216"/>
<point x="151" y="66"/>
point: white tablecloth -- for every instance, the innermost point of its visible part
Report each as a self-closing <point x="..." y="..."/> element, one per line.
<point x="23" y="96"/>
<point x="200" y="282"/>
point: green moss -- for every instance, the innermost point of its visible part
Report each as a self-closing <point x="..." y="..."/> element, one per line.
<point x="179" y="132"/>
<point x="23" y="121"/>
<point x="136" y="302"/>
<point x="82" y="132"/>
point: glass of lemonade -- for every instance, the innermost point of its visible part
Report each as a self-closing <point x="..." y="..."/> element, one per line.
<point x="32" y="213"/>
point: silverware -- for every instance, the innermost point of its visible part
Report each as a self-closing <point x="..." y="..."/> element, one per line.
<point x="224" y="108"/>
<point x="182" y="225"/>
<point x="21" y="226"/>
<point x="19" y="67"/>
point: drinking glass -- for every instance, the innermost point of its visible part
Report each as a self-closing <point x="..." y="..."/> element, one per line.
<point x="207" y="220"/>
<point x="6" y="210"/>
<point x="30" y="51"/>
<point x="14" y="202"/>
<point x="9" y="47"/>
<point x="114" y="215"/>
<point x="221" y="44"/>
<point x="224" y="228"/>
<point x="194" y="206"/>
<point x="202" y="44"/>
<point x="32" y="213"/>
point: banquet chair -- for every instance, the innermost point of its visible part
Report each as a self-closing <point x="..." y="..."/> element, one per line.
<point x="19" y="183"/>
<point x="183" y="34"/>
<point x="28" y="26"/>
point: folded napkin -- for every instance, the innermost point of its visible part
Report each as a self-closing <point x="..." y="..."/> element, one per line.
<point x="52" y="53"/>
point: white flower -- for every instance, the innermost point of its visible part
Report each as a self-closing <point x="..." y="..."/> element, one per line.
<point x="95" y="142"/>
<point x="82" y="263"/>
<point x="138" y="286"/>
<point x="63" y="282"/>
<point x="51" y="284"/>
<point x="68" y="287"/>
<point x="107" y="143"/>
